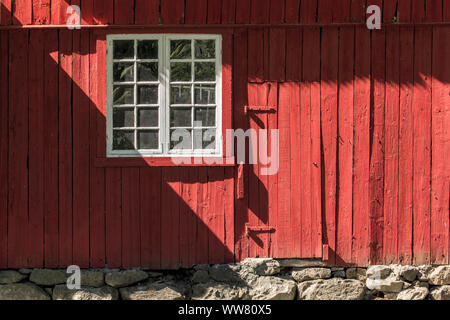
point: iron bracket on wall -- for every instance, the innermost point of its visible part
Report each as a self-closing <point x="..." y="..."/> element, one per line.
<point x="258" y="229"/>
<point x="259" y="109"/>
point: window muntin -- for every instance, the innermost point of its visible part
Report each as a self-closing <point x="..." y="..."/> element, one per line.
<point x="164" y="95"/>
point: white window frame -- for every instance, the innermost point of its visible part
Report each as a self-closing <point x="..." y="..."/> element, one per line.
<point x="164" y="96"/>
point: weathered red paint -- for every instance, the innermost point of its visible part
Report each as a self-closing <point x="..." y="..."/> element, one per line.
<point x="363" y="125"/>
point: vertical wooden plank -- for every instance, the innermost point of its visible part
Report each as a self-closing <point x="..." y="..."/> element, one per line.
<point x="172" y="11"/>
<point x="389" y="11"/>
<point x="170" y="220"/>
<point x="446" y="11"/>
<point x="214" y="11"/>
<point x="97" y="131"/>
<point x="358" y="10"/>
<point x="65" y="148"/>
<point x="58" y="12"/>
<point x="131" y="237"/>
<point x="308" y="11"/>
<point x="216" y="218"/>
<point x="229" y="214"/>
<point x="341" y="12"/>
<point x="422" y="145"/>
<point x="418" y="10"/>
<point x="113" y="219"/>
<point x="283" y="223"/>
<point x="36" y="148"/>
<point x="404" y="10"/>
<point x="329" y="117"/>
<point x="103" y="11"/>
<point x="434" y="12"/>
<point x="294" y="54"/>
<point x="51" y="181"/>
<point x="80" y="115"/>
<point x="277" y="65"/>
<point x="87" y="12"/>
<point x="360" y="244"/>
<point x="41" y="11"/>
<point x="292" y="11"/>
<point x="22" y="12"/>
<point x="376" y="174"/>
<point x="202" y="208"/>
<point x="240" y="122"/>
<point x="405" y="145"/>
<point x="150" y="206"/>
<point x="188" y="217"/>
<point x="391" y="165"/>
<point x="195" y="12"/>
<point x="4" y="119"/>
<point x="228" y="11"/>
<point x="255" y="55"/>
<point x="296" y="175"/>
<point x="5" y="14"/>
<point x="146" y="12"/>
<point x="325" y="12"/>
<point x="440" y="184"/>
<point x="243" y="11"/>
<point x="345" y="147"/>
<point x="124" y="12"/>
<point x="18" y="150"/>
<point x="259" y="11"/>
<point x="277" y="9"/>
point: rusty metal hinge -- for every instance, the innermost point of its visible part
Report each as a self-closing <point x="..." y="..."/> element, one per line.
<point x="259" y="109"/>
<point x="258" y="229"/>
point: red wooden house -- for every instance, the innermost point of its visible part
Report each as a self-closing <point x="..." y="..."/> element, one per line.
<point x="86" y="115"/>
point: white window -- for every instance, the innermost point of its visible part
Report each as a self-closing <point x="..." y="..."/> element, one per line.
<point x="164" y="95"/>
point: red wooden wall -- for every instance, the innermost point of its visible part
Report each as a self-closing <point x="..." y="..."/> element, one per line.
<point x="363" y="119"/>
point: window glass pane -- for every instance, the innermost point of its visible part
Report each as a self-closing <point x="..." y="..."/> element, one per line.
<point x="147" y="71"/>
<point x="205" y="116"/>
<point x="123" y="49"/>
<point x="147" y="49"/>
<point x="147" y="94"/>
<point x="205" y="93"/>
<point x="205" y="71"/>
<point x="180" y="139"/>
<point x="148" y="117"/>
<point x="123" y="117"/>
<point x="123" y="140"/>
<point x="180" y="94"/>
<point x="180" y="49"/>
<point x="180" y="117"/>
<point x="180" y="71"/>
<point x="205" y="49"/>
<point x="123" y="71"/>
<point x="123" y="95"/>
<point x="148" y="139"/>
<point x="205" y="139"/>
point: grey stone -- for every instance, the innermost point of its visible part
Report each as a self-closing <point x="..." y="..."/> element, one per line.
<point x="262" y="266"/>
<point x="273" y="288"/>
<point x="225" y="273"/>
<point x="338" y="274"/>
<point x="332" y="289"/>
<point x="440" y="276"/>
<point x="22" y="291"/>
<point x="413" y="293"/>
<point x="200" y="276"/>
<point x="94" y="279"/>
<point x="300" y="263"/>
<point x="26" y="271"/>
<point x="391" y="296"/>
<point x="152" y="274"/>
<point x="49" y="291"/>
<point x="356" y="274"/>
<point x="378" y="272"/>
<point x="390" y="284"/>
<point x="61" y="292"/>
<point x="311" y="274"/>
<point x="424" y="272"/>
<point x="440" y="293"/>
<point x="201" y="267"/>
<point x="408" y="273"/>
<point x="153" y="291"/>
<point x="48" y="277"/>
<point x="11" y="276"/>
<point x="219" y="291"/>
<point x="125" y="278"/>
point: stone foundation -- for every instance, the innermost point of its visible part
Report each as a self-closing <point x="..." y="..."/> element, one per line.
<point x="253" y="279"/>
